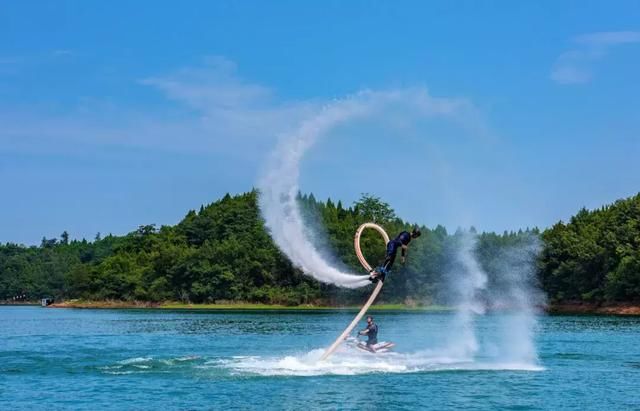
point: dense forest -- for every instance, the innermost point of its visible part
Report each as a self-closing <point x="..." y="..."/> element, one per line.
<point x="223" y="252"/>
<point x="595" y="257"/>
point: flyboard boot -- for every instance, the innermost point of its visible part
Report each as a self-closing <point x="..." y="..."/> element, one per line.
<point x="379" y="274"/>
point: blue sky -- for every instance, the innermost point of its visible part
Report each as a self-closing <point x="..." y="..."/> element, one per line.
<point x="116" y="114"/>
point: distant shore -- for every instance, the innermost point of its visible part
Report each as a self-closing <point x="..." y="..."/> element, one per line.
<point x="230" y="306"/>
<point x="564" y="308"/>
<point x="589" y="308"/>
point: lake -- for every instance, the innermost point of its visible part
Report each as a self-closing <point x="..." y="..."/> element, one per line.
<point x="156" y="359"/>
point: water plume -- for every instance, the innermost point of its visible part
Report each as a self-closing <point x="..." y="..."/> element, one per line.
<point x="515" y="291"/>
<point x="279" y="183"/>
<point x="278" y="196"/>
<point x="465" y="283"/>
<point x="503" y="282"/>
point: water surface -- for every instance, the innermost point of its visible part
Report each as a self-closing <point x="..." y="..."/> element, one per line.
<point x="150" y="359"/>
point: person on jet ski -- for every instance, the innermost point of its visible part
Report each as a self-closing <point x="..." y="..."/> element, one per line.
<point x="401" y="241"/>
<point x="371" y="332"/>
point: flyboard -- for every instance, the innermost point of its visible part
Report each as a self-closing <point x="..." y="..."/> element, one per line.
<point x="374" y="294"/>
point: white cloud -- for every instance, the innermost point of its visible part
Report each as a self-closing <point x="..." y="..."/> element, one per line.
<point x="211" y="109"/>
<point x="576" y="66"/>
<point x="573" y="67"/>
<point x="225" y="113"/>
<point x="211" y="87"/>
<point x="610" y="38"/>
<point x="62" y="53"/>
<point x="10" y="60"/>
<point x="228" y="106"/>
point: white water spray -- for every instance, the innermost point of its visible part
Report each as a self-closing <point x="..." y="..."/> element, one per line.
<point x="279" y="184"/>
<point x="355" y="362"/>
<point x="279" y="187"/>
<point x="511" y="290"/>
<point x="515" y="290"/>
<point x="466" y="281"/>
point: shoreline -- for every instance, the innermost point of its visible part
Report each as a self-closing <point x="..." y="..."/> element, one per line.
<point x="627" y="309"/>
<point x="234" y="306"/>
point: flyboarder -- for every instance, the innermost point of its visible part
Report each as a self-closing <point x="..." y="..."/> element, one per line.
<point x="401" y="241"/>
<point x="371" y="332"/>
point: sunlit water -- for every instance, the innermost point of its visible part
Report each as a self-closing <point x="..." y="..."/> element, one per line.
<point x="146" y="359"/>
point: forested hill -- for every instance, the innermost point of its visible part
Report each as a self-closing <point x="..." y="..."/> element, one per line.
<point x="595" y="257"/>
<point x="223" y="252"/>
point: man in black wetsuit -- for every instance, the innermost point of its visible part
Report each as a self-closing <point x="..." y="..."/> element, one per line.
<point x="371" y="332"/>
<point x="401" y="241"/>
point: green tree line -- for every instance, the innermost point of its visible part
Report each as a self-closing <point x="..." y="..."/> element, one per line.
<point x="222" y="252"/>
<point x="595" y="257"/>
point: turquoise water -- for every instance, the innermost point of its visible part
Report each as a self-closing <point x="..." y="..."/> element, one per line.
<point x="146" y="359"/>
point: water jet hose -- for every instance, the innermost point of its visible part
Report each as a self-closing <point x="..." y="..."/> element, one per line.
<point x="374" y="294"/>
